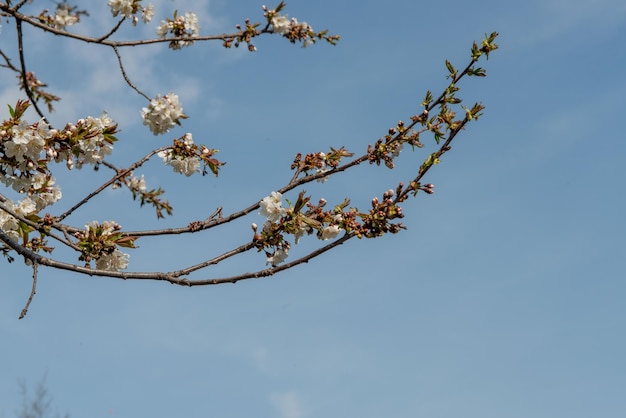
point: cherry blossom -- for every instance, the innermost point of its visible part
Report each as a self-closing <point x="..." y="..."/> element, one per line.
<point x="163" y="113"/>
<point x="271" y="207"/>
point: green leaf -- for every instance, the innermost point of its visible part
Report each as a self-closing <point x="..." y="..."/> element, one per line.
<point x="451" y="69"/>
<point x="427" y="100"/>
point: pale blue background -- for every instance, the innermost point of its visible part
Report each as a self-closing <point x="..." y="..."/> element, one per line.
<point x="505" y="297"/>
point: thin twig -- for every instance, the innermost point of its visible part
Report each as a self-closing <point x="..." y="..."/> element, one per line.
<point x="112" y="31"/>
<point x="130" y="83"/>
<point x="34" y="225"/>
<point x="20" y="48"/>
<point x="120" y="174"/>
<point x="34" y="22"/>
<point x="33" y="290"/>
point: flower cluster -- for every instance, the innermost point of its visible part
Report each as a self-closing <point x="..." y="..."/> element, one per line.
<point x="21" y="149"/>
<point x="295" y="221"/>
<point x="377" y="221"/>
<point x="8" y="223"/>
<point x="293" y="30"/>
<point x="136" y="184"/>
<point x="272" y="207"/>
<point x="163" y="113"/>
<point x="99" y="242"/>
<point x="87" y="142"/>
<point x="64" y="15"/>
<point x="321" y="162"/>
<point x="185" y="157"/>
<point x="181" y="26"/>
<point x="25" y="152"/>
<point x="129" y="9"/>
<point x="184" y="164"/>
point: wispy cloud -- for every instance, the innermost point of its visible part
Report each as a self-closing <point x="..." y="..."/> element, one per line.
<point x="288" y="403"/>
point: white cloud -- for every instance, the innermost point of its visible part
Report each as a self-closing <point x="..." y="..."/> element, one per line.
<point x="288" y="404"/>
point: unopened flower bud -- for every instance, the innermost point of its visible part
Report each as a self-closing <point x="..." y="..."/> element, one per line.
<point x="375" y="202"/>
<point x="428" y="188"/>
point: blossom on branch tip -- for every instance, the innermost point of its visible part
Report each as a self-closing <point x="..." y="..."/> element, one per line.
<point x="123" y="7"/>
<point x="115" y="261"/>
<point x="163" y="113"/>
<point x="8" y="223"/>
<point x="128" y="9"/>
<point x="180" y="26"/>
<point x="271" y="207"/>
<point x="281" y="24"/>
<point x="64" y="15"/>
<point x="330" y="232"/>
<point x="279" y="256"/>
<point x="136" y="183"/>
<point x="99" y="242"/>
<point x="147" y="13"/>
<point x="186" y="166"/>
<point x="26" y="143"/>
<point x="183" y="156"/>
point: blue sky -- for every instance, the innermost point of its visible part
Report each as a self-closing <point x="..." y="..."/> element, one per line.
<point x="504" y="298"/>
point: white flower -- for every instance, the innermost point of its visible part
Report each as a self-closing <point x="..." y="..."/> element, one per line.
<point x="123" y="7"/>
<point x="115" y="261"/>
<point x="163" y="113"/>
<point x="163" y="28"/>
<point x="47" y="196"/>
<point x="8" y="223"/>
<point x="303" y="229"/>
<point x="108" y="227"/>
<point x="25" y="207"/>
<point x="271" y="207"/>
<point x="398" y="150"/>
<point x="330" y="232"/>
<point x="278" y="257"/>
<point x="186" y="166"/>
<point x="137" y="183"/>
<point x="182" y="26"/>
<point x="281" y="24"/>
<point x="63" y="18"/>
<point x="191" y="24"/>
<point x="44" y="191"/>
<point x="147" y="13"/>
<point x="25" y="143"/>
<point x="322" y="170"/>
<point x="166" y="155"/>
<point x="103" y="122"/>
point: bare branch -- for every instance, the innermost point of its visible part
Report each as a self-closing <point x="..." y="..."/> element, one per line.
<point x="32" y="293"/>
